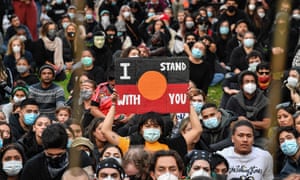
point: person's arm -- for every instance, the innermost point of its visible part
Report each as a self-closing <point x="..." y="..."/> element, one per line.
<point x="264" y="124"/>
<point x="109" y="134"/>
<point x="60" y="97"/>
<point x="196" y="127"/>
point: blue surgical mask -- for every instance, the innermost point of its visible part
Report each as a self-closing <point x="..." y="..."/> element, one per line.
<point x="72" y="15"/>
<point x="89" y="16"/>
<point x="209" y="14"/>
<point x="197" y="106"/>
<point x="65" y="24"/>
<point x="87" y="61"/>
<point x="248" y="43"/>
<point x="224" y="30"/>
<point x="69" y="143"/>
<point x="211" y="123"/>
<point x="150" y="14"/>
<point x="197" y="53"/>
<point x="289" y="147"/>
<point x="29" y="118"/>
<point x="59" y="1"/>
<point x="1" y="143"/>
<point x="151" y="134"/>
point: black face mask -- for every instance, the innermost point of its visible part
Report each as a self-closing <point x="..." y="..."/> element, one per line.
<point x="111" y="37"/>
<point x="231" y="9"/>
<point x="57" y="162"/>
<point x="71" y="34"/>
<point x="57" y="165"/>
<point x="190" y="44"/>
<point x="133" y="177"/>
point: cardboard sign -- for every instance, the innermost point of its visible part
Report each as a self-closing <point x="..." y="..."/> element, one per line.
<point x="152" y="84"/>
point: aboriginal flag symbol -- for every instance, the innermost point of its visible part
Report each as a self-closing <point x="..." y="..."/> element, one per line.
<point x="152" y="84"/>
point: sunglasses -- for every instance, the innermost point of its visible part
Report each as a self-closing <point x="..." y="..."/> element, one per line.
<point x="262" y="73"/>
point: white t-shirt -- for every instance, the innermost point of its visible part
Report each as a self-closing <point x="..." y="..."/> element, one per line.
<point x="257" y="164"/>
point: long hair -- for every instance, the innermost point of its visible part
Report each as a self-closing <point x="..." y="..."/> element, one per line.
<point x="9" y="46"/>
<point x="76" y="36"/>
<point x="3" y="74"/>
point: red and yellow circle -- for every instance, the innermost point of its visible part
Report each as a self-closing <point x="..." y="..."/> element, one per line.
<point x="152" y="85"/>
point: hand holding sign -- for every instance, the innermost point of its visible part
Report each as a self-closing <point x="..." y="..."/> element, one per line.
<point x="153" y="84"/>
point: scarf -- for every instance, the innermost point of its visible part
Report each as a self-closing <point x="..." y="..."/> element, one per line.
<point x="57" y="47"/>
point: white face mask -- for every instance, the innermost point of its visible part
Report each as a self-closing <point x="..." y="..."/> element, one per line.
<point x="251" y="7"/>
<point x="261" y="14"/>
<point x="108" y="178"/>
<point x="249" y="88"/>
<point x="16" y="49"/>
<point x="200" y="172"/>
<point x="252" y="66"/>
<point x="167" y="176"/>
<point x="292" y="82"/>
<point x="17" y="99"/>
<point x="12" y="168"/>
<point x="126" y="14"/>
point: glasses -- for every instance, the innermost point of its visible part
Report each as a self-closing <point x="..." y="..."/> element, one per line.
<point x="262" y="73"/>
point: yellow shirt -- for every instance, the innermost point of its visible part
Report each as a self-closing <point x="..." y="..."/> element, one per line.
<point x="124" y="143"/>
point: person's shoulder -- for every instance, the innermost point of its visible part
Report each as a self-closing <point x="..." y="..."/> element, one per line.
<point x="226" y="151"/>
<point x="260" y="152"/>
<point x="37" y="160"/>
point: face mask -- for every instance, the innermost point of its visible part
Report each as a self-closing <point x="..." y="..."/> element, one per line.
<point x="190" y="44"/>
<point x="150" y="14"/>
<point x="89" y="16"/>
<point x="71" y="34"/>
<point x="200" y="172"/>
<point x="58" y="162"/>
<point x="87" y="61"/>
<point x="111" y="37"/>
<point x="289" y="147"/>
<point x="264" y="82"/>
<point x="292" y="82"/>
<point x="12" y="168"/>
<point x="105" y="19"/>
<point x="134" y="56"/>
<point x="126" y="14"/>
<point x="261" y="15"/>
<point x="21" y="69"/>
<point x="251" y="7"/>
<point x="296" y="16"/>
<point x="209" y="14"/>
<point x="249" y="88"/>
<point x="59" y="1"/>
<point x="99" y="41"/>
<point x="65" y="25"/>
<point x="252" y="66"/>
<point x="167" y="176"/>
<point x="189" y="24"/>
<point x="86" y="94"/>
<point x="203" y="27"/>
<point x="197" y="106"/>
<point x="51" y="34"/>
<point x="69" y="143"/>
<point x="23" y="38"/>
<point x="29" y="118"/>
<point x="151" y="134"/>
<point x="117" y="159"/>
<point x="88" y="153"/>
<point x="1" y="143"/>
<point x="224" y="30"/>
<point x="248" y="43"/>
<point x="197" y="53"/>
<point x="231" y="9"/>
<point x="211" y="123"/>
<point x="16" y="49"/>
<point x="108" y="178"/>
<point x="72" y="15"/>
<point x="17" y="100"/>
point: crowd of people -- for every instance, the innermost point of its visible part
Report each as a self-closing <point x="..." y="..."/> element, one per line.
<point x="45" y="135"/>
